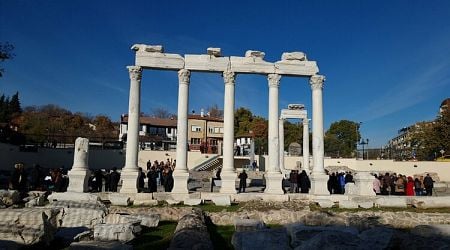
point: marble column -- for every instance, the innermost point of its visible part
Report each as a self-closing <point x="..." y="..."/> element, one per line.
<point x="281" y="142"/>
<point x="305" y="145"/>
<point x="273" y="174"/>
<point x="181" y="174"/>
<point x="228" y="174"/>
<point x="129" y="172"/>
<point x="318" y="177"/>
<point x="79" y="174"/>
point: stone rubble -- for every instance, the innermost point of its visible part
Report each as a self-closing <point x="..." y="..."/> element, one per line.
<point x="191" y="232"/>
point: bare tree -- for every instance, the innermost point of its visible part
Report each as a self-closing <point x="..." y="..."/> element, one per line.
<point x="161" y="112"/>
<point x="215" y="111"/>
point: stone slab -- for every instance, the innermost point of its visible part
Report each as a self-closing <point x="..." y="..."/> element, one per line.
<point x="391" y="201"/>
<point x="245" y="197"/>
<point x="99" y="245"/>
<point x="122" y="232"/>
<point x="254" y="65"/>
<point x="156" y="60"/>
<point x="223" y="200"/>
<point x="73" y="196"/>
<point x="241" y="225"/>
<point x="296" y="68"/>
<point x="206" y="63"/>
<point x="348" y="204"/>
<point x="429" y="202"/>
<point x="9" y="197"/>
<point x="300" y="233"/>
<point x="173" y="202"/>
<point x="145" y="202"/>
<point x="324" y="203"/>
<point x="262" y="239"/>
<point x="117" y="199"/>
<point x="192" y="202"/>
<point x="366" y="204"/>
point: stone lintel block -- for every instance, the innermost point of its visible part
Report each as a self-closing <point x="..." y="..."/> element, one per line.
<point x="275" y="197"/>
<point x="323" y="203"/>
<point x="148" y="48"/>
<point x="74" y="196"/>
<point x="296" y="68"/>
<point x="251" y="65"/>
<point x="206" y="63"/>
<point x="348" y="204"/>
<point x="293" y="113"/>
<point x="214" y="51"/>
<point x="119" y="199"/>
<point x="293" y="56"/>
<point x="145" y="202"/>
<point x="192" y="202"/>
<point x="223" y="200"/>
<point x="158" y="60"/>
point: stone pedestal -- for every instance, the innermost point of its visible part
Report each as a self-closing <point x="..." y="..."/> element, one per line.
<point x="129" y="181"/>
<point x="78" y="180"/>
<point x="180" y="180"/>
<point x="319" y="184"/>
<point x="364" y="183"/>
<point x="274" y="183"/>
<point x="79" y="175"/>
<point x="228" y="183"/>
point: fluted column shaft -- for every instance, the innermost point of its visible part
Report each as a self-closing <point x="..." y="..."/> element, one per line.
<point x="274" y="150"/>
<point x="134" y="108"/>
<point x="130" y="171"/>
<point x="305" y="145"/>
<point x="228" y="171"/>
<point x="182" y="120"/>
<point x="317" y="123"/>
<point x="281" y="144"/>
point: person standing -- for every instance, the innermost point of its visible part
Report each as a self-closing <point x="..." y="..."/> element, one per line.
<point x="418" y="187"/>
<point x="151" y="175"/>
<point x="140" y="180"/>
<point x="376" y="185"/>
<point x="242" y="181"/>
<point x="114" y="179"/>
<point x="293" y="181"/>
<point x="410" y="187"/>
<point x="428" y="183"/>
<point x="304" y="182"/>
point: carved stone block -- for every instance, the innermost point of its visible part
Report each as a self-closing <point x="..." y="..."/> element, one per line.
<point x="206" y="63"/>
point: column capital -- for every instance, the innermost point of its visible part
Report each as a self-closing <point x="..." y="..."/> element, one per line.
<point x="135" y="72"/>
<point x="274" y="80"/>
<point x="305" y="121"/>
<point x="316" y="81"/>
<point x="229" y="77"/>
<point x="184" y="76"/>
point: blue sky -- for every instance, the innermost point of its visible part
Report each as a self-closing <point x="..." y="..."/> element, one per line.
<point x="387" y="63"/>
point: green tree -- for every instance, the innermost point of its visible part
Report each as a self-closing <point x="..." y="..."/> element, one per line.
<point x="243" y="118"/>
<point x="293" y="132"/>
<point x="341" y="138"/>
<point x="5" y="54"/>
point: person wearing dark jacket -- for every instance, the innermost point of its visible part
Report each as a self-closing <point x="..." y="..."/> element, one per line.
<point x="304" y="182"/>
<point x="151" y="175"/>
<point x="428" y="183"/>
<point x="114" y="180"/>
<point x="18" y="179"/>
<point x="140" y="180"/>
<point x="242" y="181"/>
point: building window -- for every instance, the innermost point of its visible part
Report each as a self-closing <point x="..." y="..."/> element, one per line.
<point x="211" y="130"/>
<point x="218" y="130"/>
<point x="195" y="141"/>
<point x="213" y="142"/>
<point x="195" y="128"/>
<point x="169" y="130"/>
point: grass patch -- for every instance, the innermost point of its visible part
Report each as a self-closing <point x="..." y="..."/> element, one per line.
<point x="210" y="207"/>
<point x="220" y="235"/>
<point x="156" y="238"/>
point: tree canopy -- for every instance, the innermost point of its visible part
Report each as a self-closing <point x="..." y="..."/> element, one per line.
<point x="5" y="54"/>
<point x="341" y="138"/>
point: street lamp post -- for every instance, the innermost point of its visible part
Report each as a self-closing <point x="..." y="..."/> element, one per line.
<point x="364" y="142"/>
<point x="357" y="125"/>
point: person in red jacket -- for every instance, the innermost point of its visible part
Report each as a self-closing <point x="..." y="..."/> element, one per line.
<point x="410" y="187"/>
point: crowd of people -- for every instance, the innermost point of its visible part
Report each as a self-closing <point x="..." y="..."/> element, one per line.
<point x="38" y="179"/>
<point x="393" y="184"/>
<point x="299" y="182"/>
<point x="158" y="174"/>
<point x="337" y="180"/>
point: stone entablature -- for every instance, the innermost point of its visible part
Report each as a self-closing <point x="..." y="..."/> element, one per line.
<point x="291" y="63"/>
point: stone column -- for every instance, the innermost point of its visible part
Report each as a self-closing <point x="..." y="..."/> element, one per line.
<point x="181" y="174"/>
<point x="281" y="140"/>
<point x="305" y="145"/>
<point x="79" y="174"/>
<point x="228" y="174"/>
<point x="273" y="174"/>
<point x="318" y="176"/>
<point x="129" y="172"/>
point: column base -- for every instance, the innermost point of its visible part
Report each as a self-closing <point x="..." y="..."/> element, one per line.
<point x="274" y="183"/>
<point x="319" y="184"/>
<point x="364" y="184"/>
<point x="129" y="182"/>
<point x="78" y="180"/>
<point x="180" y="181"/>
<point x="228" y="183"/>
